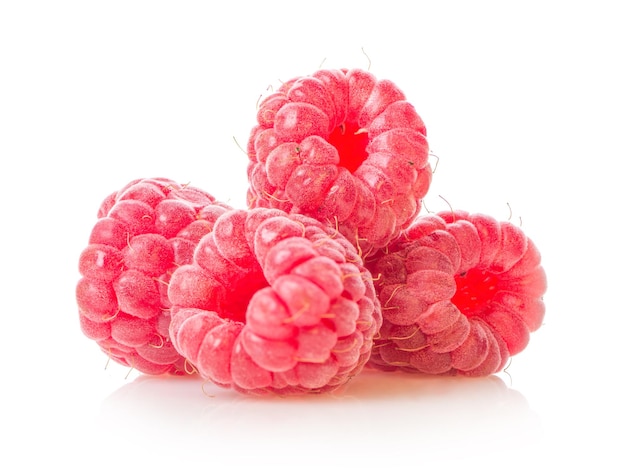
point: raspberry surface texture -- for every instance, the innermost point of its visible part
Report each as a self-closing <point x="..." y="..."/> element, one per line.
<point x="274" y="303"/>
<point x="345" y="148"/>
<point x="142" y="233"/>
<point x="460" y="294"/>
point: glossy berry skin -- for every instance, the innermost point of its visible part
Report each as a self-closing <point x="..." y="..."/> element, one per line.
<point x="345" y="148"/>
<point x="460" y="294"/>
<point x="274" y="302"/>
<point x="143" y="232"/>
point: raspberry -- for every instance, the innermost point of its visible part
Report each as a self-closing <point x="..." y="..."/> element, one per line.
<point x="143" y="232"/>
<point x="274" y="302"/>
<point x="460" y="294"/>
<point x="344" y="148"/>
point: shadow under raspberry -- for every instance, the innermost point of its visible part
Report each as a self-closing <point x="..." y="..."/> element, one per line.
<point x="378" y="415"/>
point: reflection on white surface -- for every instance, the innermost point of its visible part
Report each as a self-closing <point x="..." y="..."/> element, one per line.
<point x="379" y="418"/>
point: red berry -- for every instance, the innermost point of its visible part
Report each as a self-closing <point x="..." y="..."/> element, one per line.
<point x="274" y="302"/>
<point x="344" y="148"/>
<point x="460" y="293"/>
<point x="143" y="232"/>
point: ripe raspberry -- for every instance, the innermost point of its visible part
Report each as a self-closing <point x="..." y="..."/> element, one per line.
<point x="460" y="294"/>
<point x="144" y="231"/>
<point x="274" y="302"/>
<point x="344" y="148"/>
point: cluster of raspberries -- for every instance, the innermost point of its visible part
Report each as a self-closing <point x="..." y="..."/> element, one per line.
<point x="329" y="269"/>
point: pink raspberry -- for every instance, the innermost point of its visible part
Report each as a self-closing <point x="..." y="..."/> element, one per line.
<point x="274" y="302"/>
<point x="460" y="294"/>
<point x="143" y="232"/>
<point x="344" y="148"/>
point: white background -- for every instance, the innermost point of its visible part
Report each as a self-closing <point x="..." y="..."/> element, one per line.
<point x="524" y="105"/>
